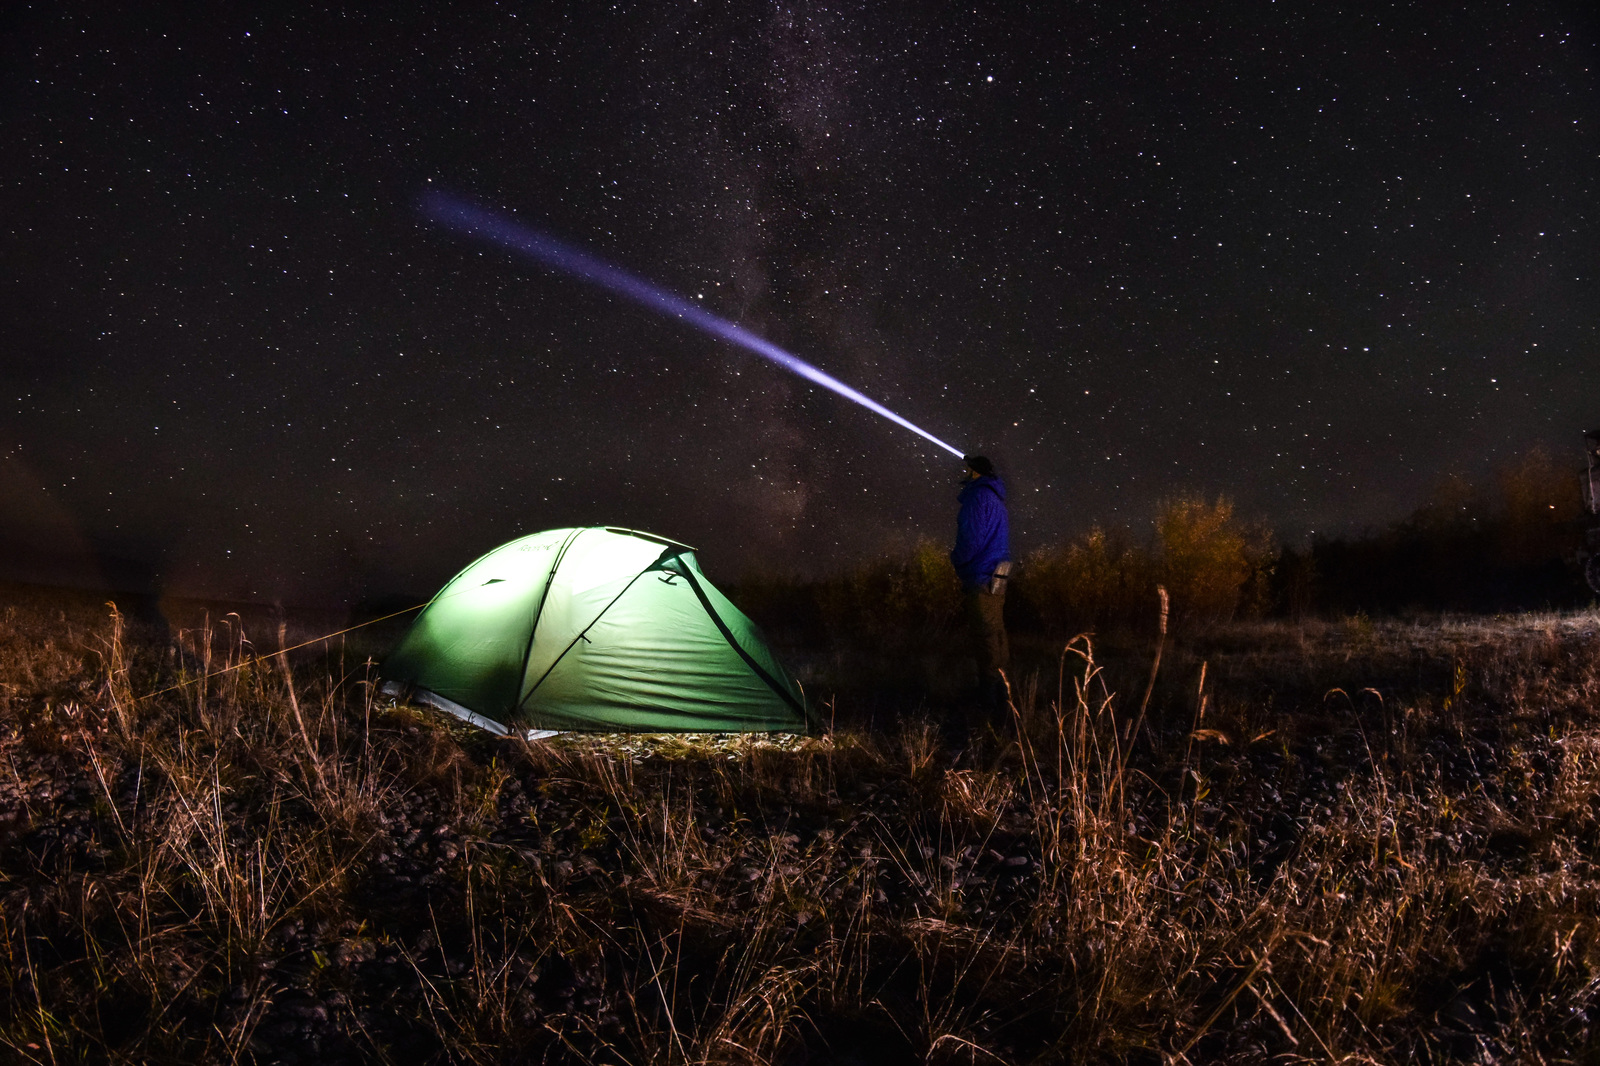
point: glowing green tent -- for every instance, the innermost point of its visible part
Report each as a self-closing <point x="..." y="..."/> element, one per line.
<point x="598" y="629"/>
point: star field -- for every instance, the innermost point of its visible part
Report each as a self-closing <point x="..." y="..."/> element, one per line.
<point x="1316" y="258"/>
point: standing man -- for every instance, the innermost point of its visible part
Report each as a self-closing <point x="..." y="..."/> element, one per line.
<point x="982" y="559"/>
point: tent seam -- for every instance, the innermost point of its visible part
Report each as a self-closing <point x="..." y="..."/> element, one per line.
<point x="749" y="660"/>
<point x="582" y="635"/>
<point x="533" y="630"/>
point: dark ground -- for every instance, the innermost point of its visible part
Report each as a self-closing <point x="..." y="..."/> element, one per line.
<point x="1350" y="840"/>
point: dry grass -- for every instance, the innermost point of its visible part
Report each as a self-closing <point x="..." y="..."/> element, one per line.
<point x="1337" y="842"/>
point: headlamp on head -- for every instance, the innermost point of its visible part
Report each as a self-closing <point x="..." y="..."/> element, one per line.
<point x="979" y="465"/>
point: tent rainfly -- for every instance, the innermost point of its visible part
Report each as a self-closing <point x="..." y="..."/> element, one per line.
<point x="599" y="630"/>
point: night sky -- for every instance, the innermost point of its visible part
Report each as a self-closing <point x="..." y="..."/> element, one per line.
<point x="1313" y="257"/>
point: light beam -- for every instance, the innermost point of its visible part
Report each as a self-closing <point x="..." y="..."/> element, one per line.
<point x="466" y="218"/>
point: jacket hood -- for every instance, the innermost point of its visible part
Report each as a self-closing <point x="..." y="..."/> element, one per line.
<point x="990" y="481"/>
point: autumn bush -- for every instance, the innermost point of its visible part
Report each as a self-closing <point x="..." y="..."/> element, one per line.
<point x="906" y="596"/>
<point x="1214" y="566"/>
<point x="1100" y="579"/>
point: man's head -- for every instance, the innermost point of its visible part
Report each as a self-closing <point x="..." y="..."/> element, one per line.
<point x="978" y="466"/>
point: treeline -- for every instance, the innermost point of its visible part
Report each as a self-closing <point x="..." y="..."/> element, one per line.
<point x="1508" y="544"/>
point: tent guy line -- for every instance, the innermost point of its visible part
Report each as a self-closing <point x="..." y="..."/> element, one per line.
<point x="254" y="659"/>
<point x="465" y="218"/>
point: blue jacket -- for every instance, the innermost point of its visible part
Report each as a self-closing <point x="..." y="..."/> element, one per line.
<point x="983" y="533"/>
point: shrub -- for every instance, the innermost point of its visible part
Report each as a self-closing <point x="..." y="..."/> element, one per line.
<point x="1212" y="564"/>
<point x="1097" y="580"/>
<point x="911" y="596"/>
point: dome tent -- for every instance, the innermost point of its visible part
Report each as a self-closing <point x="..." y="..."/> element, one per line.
<point x="596" y="629"/>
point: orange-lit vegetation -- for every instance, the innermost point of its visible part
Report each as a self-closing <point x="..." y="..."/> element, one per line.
<point x="1214" y="566"/>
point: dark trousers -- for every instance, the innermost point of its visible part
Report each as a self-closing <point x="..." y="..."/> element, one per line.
<point x="986" y="619"/>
